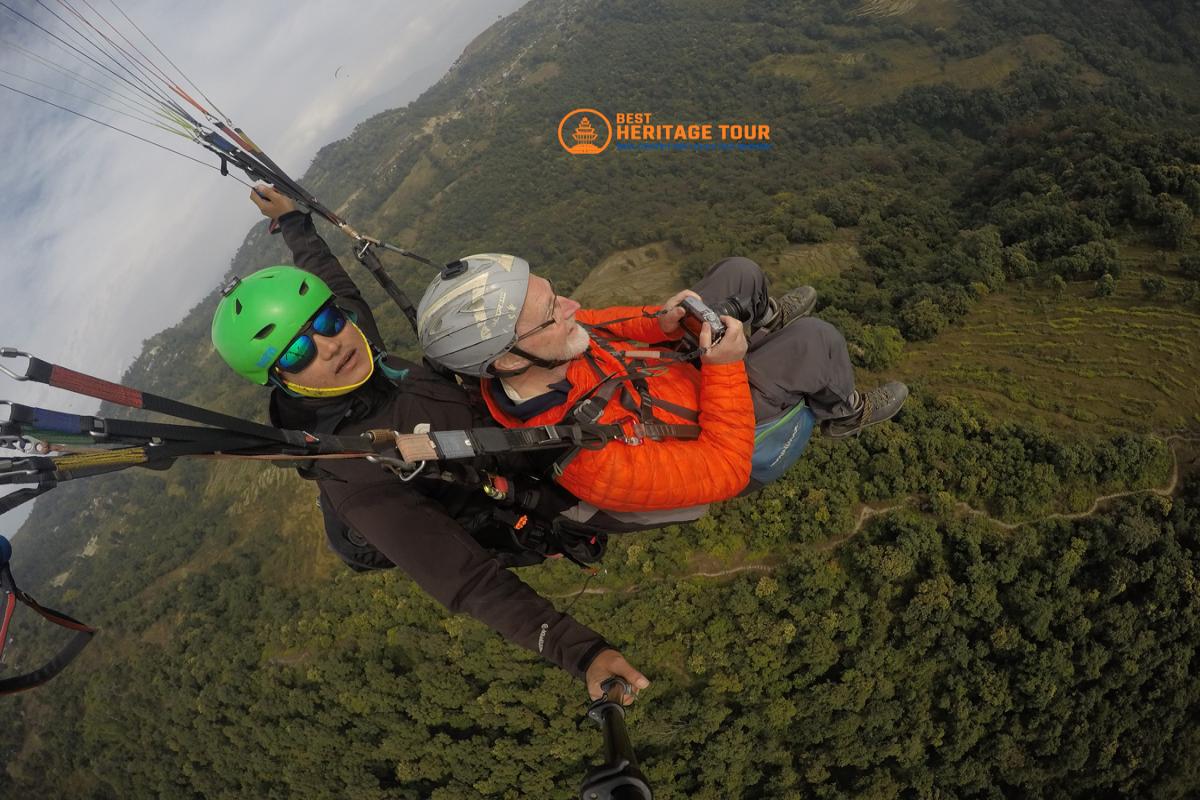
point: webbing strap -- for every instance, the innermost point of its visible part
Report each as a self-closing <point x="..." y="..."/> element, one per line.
<point x="590" y="407"/>
<point x="36" y="421"/>
<point x="367" y="257"/>
<point x="636" y="374"/>
<point x="690" y="414"/>
<point x="45" y="419"/>
<point x="661" y="355"/>
<point x="666" y="430"/>
<point x="472" y="442"/>
<point x="13" y="499"/>
<point x="63" y="378"/>
<point x="30" y="680"/>
<point x="30" y="469"/>
<point x="10" y="605"/>
<point x="79" y="383"/>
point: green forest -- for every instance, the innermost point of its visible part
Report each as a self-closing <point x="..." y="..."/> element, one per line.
<point x="995" y="596"/>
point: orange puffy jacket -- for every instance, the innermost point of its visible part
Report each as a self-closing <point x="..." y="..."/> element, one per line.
<point x="655" y="475"/>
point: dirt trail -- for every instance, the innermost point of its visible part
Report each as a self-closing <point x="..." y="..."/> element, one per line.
<point x="1167" y="491"/>
<point x="867" y="512"/>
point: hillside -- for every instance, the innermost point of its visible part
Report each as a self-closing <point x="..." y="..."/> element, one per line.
<point x="997" y="203"/>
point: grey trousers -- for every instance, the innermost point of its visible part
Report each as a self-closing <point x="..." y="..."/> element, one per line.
<point x="805" y="361"/>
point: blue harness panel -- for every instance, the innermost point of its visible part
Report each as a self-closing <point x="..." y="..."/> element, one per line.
<point x="779" y="442"/>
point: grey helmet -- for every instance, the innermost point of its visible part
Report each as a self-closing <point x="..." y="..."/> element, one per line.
<point x="467" y="321"/>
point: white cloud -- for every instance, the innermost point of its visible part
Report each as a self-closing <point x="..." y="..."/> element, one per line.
<point x="105" y="241"/>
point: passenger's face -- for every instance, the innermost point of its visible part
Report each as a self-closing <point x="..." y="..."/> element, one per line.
<point x="546" y="326"/>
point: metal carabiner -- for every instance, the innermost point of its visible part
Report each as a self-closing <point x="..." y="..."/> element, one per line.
<point x="12" y="352"/>
<point x="404" y="470"/>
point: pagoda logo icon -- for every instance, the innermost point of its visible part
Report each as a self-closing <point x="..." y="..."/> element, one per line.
<point x="581" y="131"/>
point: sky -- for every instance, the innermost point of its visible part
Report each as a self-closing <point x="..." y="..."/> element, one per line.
<point x="104" y="240"/>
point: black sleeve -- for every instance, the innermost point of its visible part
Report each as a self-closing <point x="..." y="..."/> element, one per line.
<point x="312" y="254"/>
<point x="446" y="562"/>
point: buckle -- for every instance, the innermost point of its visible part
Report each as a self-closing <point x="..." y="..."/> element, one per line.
<point x="404" y="470"/>
<point x="634" y="435"/>
<point x="589" y="410"/>
<point x="645" y="431"/>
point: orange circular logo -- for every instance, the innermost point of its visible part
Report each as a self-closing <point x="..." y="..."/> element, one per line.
<point x="582" y="133"/>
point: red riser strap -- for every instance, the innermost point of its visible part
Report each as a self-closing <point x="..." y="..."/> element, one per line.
<point x="9" y="606"/>
<point x="63" y="378"/>
<point x="57" y="617"/>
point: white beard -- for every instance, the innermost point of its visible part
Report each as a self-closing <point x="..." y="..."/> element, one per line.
<point x="576" y="345"/>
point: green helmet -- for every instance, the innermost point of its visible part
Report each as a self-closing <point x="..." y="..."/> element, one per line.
<point x="260" y="315"/>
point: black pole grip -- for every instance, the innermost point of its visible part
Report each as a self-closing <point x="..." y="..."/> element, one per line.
<point x="619" y="777"/>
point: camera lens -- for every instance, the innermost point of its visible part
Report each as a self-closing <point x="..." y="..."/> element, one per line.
<point x="734" y="307"/>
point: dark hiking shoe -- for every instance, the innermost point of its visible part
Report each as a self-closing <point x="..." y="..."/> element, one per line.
<point x="878" y="405"/>
<point x="797" y="303"/>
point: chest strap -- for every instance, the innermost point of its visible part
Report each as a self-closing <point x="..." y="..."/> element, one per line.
<point x="473" y="442"/>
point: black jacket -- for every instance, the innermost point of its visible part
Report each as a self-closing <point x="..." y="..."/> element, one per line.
<point x="413" y="523"/>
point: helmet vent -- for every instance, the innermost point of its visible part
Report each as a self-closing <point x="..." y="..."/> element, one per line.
<point x="303" y="288"/>
<point x="265" y="332"/>
<point x="237" y="306"/>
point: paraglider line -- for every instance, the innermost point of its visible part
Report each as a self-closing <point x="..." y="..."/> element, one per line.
<point x="122" y="130"/>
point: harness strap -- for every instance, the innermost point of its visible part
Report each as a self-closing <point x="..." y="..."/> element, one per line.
<point x="473" y="442"/>
<point x="590" y="407"/>
<point x="13" y="499"/>
<point x="60" y="377"/>
<point x="637" y="397"/>
<point x="636" y="373"/>
<point x="37" y="422"/>
<point x="367" y="257"/>
<point x="51" y="470"/>
<point x="588" y="410"/>
<point x="252" y="434"/>
<point x="30" y="680"/>
<point x="602" y="331"/>
<point x="690" y="414"/>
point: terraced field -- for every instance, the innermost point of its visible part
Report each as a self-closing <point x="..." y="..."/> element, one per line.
<point x="855" y="79"/>
<point x="934" y="12"/>
<point x="1075" y="361"/>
